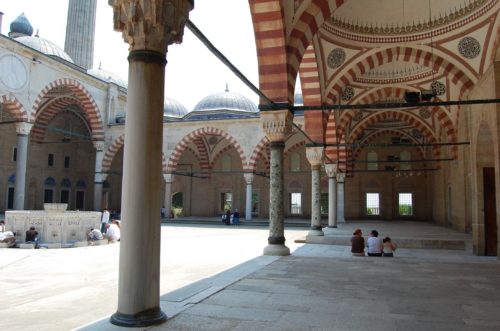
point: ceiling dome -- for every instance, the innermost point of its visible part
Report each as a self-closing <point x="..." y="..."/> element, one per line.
<point x="226" y="101"/>
<point x="107" y="76"/>
<point x="173" y="108"/>
<point x="20" y="27"/>
<point x="44" y="46"/>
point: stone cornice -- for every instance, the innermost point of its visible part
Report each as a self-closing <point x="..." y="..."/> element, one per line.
<point x="331" y="169"/>
<point x="315" y="156"/>
<point x="151" y="24"/>
<point x="248" y="178"/>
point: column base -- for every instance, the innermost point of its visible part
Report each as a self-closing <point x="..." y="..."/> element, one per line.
<point x="316" y="231"/>
<point x="276" y="250"/>
<point x="145" y="318"/>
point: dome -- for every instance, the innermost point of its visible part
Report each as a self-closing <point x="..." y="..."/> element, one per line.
<point x="21" y="27"/>
<point x="107" y="76"/>
<point x="44" y="46"/>
<point x="226" y="101"/>
<point x="173" y="108"/>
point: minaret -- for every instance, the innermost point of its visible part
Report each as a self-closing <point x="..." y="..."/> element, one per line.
<point x="80" y="31"/>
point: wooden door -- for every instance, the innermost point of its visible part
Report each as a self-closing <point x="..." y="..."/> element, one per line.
<point x="490" y="214"/>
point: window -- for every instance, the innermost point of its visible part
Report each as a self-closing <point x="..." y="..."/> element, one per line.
<point x="226" y="201"/>
<point x="372" y="158"/>
<point x="10" y="198"/>
<point x="294" y="162"/>
<point x="405" y="156"/>
<point x="226" y="163"/>
<point x="66" y="162"/>
<point x="50" y="160"/>
<point x="372" y="204"/>
<point x="80" y="200"/>
<point x="64" y="196"/>
<point x="324" y="203"/>
<point x="296" y="203"/>
<point x="405" y="204"/>
<point x="48" y="195"/>
<point x="14" y="154"/>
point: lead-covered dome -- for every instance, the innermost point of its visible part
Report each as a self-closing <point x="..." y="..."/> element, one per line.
<point x="173" y="109"/>
<point x="44" y="46"/>
<point x="21" y="26"/>
<point x="226" y="101"/>
<point x="107" y="76"/>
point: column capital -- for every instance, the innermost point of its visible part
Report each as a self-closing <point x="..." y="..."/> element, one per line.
<point x="100" y="177"/>
<point x="151" y="24"/>
<point x="340" y="177"/>
<point x="169" y="178"/>
<point x="98" y="145"/>
<point x="277" y="124"/>
<point x="248" y="178"/>
<point x="315" y="156"/>
<point x="23" y="128"/>
<point x="331" y="169"/>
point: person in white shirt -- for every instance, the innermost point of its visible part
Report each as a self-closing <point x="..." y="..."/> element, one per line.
<point x="374" y="244"/>
<point x="104" y="220"/>
<point x="113" y="231"/>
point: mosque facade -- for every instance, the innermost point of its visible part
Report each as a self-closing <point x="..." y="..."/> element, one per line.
<point x="363" y="147"/>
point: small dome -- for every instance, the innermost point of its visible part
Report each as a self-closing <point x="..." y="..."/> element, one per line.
<point x="20" y="27"/>
<point x="107" y="76"/>
<point x="173" y="108"/>
<point x="44" y="46"/>
<point x="226" y="101"/>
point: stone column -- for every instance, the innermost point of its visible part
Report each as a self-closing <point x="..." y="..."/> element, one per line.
<point x="277" y="125"/>
<point x="315" y="157"/>
<point x="99" y="177"/>
<point x="340" y="197"/>
<point x="23" y="130"/>
<point x="331" y="171"/>
<point x="149" y="27"/>
<point x="248" y="204"/>
<point x="169" y="178"/>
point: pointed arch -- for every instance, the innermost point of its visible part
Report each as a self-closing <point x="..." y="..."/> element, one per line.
<point x="14" y="107"/>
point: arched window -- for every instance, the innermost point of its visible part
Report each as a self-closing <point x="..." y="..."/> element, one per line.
<point x="294" y="162"/>
<point x="405" y="156"/>
<point x="10" y="191"/>
<point x="80" y="194"/>
<point x="226" y="163"/>
<point x="372" y="158"/>
<point x="65" y="190"/>
<point x="48" y="190"/>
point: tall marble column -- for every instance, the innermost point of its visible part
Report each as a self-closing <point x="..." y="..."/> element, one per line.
<point x="340" y="197"/>
<point x="99" y="177"/>
<point x="277" y="125"/>
<point x="315" y="157"/>
<point x="149" y="27"/>
<point x="169" y="178"/>
<point x="23" y="130"/>
<point x="248" y="202"/>
<point x="331" y="171"/>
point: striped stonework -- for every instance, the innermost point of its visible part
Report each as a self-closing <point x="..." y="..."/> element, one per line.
<point x="309" y="78"/>
<point x="331" y="138"/>
<point x="375" y="135"/>
<point x="86" y="101"/>
<point x="191" y="138"/>
<point x="111" y="152"/>
<point x="262" y="150"/>
<point x="14" y="107"/>
<point x="406" y="54"/>
<point x="293" y="148"/>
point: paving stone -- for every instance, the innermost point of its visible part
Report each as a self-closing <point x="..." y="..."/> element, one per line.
<point x="26" y="246"/>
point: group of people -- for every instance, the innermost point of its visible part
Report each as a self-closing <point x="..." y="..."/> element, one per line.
<point x="110" y="229"/>
<point x="229" y="218"/>
<point x="375" y="246"/>
<point x="9" y="237"/>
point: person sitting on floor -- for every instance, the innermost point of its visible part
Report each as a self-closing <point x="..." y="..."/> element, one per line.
<point x="388" y="247"/>
<point x="32" y="236"/>
<point x="94" y="235"/>
<point x="357" y="243"/>
<point x="113" y="231"/>
<point x="8" y="237"/>
<point x="374" y="244"/>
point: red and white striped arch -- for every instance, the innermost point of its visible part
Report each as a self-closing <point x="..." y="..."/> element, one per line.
<point x="375" y="135"/>
<point x="14" y="107"/>
<point x="293" y="148"/>
<point x="191" y="137"/>
<point x="279" y="55"/>
<point x="453" y="70"/>
<point x="111" y="152"/>
<point x="261" y="149"/>
<point x="85" y="99"/>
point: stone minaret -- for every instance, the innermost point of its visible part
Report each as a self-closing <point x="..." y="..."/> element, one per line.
<point x="80" y="32"/>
